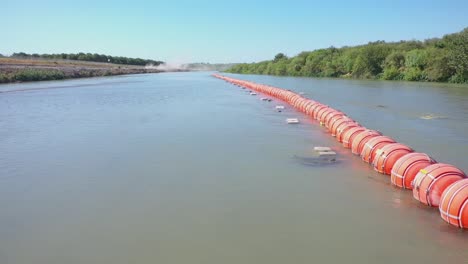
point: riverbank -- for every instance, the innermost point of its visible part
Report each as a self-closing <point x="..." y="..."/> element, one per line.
<point x="26" y="70"/>
<point x="432" y="60"/>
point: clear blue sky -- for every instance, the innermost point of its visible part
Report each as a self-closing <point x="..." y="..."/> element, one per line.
<point x="218" y="31"/>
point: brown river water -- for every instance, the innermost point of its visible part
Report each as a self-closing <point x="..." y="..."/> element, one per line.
<point x="185" y="168"/>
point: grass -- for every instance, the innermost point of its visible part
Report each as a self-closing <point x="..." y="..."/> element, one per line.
<point x="28" y="75"/>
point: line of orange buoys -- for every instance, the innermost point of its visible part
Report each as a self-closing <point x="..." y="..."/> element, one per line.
<point x="433" y="184"/>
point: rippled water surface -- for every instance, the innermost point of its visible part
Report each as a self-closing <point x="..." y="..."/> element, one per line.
<point x="185" y="168"/>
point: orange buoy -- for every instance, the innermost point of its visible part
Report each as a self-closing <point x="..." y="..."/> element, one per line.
<point x="300" y="105"/>
<point x="373" y="145"/>
<point x="387" y="156"/>
<point x="315" y="108"/>
<point x="339" y="122"/>
<point x="297" y="102"/>
<point x="324" y="115"/>
<point x="318" y="110"/>
<point x="321" y="112"/>
<point x="310" y="107"/>
<point x="431" y="182"/>
<point x="453" y="206"/>
<point x="294" y="98"/>
<point x="407" y="167"/>
<point x="350" y="134"/>
<point x="300" y="102"/>
<point x="333" y="120"/>
<point x="306" y="104"/>
<point x="289" y="96"/>
<point x="341" y="129"/>
<point x="330" y="115"/>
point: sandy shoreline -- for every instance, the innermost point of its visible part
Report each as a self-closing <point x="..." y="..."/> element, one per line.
<point x="23" y="70"/>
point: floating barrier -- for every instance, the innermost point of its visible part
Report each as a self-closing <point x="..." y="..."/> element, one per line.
<point x="342" y="121"/>
<point x="431" y="182"/>
<point x="350" y="135"/>
<point x="407" y="167"/>
<point x="361" y="139"/>
<point x="453" y="206"/>
<point x="387" y="156"/>
<point x="341" y="129"/>
<point x="372" y="146"/>
<point x="324" y="113"/>
<point x="330" y="116"/>
<point x="308" y="108"/>
<point x="434" y="184"/>
<point x="319" y="110"/>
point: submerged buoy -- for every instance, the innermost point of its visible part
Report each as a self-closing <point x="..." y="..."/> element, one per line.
<point x="431" y="182"/>
<point x="407" y="167"/>
<point x="317" y="161"/>
<point x="322" y="149"/>
<point x="453" y="206"/>
<point x="292" y="121"/>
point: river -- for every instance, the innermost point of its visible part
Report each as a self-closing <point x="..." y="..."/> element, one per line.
<point x="185" y="168"/>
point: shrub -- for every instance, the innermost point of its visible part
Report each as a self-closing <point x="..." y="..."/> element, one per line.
<point x="392" y="73"/>
<point x="414" y="74"/>
<point x="27" y="75"/>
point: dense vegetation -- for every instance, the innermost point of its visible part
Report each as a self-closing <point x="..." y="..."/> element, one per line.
<point x="89" y="57"/>
<point x="436" y="60"/>
<point x="28" y="75"/>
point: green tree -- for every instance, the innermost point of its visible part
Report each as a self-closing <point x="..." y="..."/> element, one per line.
<point x="457" y="45"/>
<point x="438" y="68"/>
<point x="434" y="59"/>
<point x="279" y="56"/>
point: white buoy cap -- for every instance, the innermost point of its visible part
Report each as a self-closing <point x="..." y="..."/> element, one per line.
<point x="322" y="149"/>
<point x="292" y="120"/>
<point x="327" y="153"/>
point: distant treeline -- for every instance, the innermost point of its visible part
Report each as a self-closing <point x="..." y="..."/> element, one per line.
<point x="436" y="60"/>
<point x="88" y="57"/>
